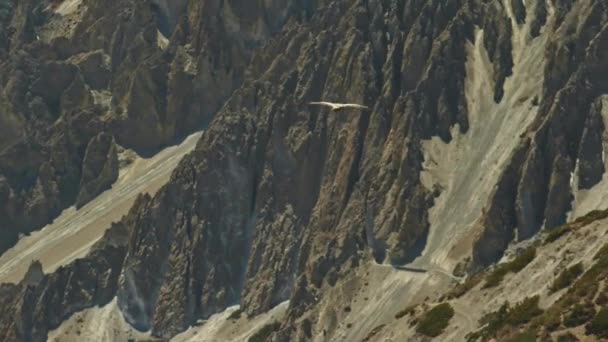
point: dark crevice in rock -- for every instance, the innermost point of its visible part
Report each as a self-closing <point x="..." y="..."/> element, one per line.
<point x="162" y="20"/>
<point x="519" y="10"/>
<point x="539" y="20"/>
<point x="100" y="168"/>
<point x="498" y="220"/>
<point x="414" y="251"/>
<point x="498" y="33"/>
<point x="591" y="151"/>
<point x="354" y="175"/>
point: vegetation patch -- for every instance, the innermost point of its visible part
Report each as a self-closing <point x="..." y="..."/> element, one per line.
<point x="587" y="285"/>
<point x="514" y="266"/>
<point x="406" y="312"/>
<point x="235" y="314"/>
<point x="574" y="308"/>
<point x="551" y="320"/>
<point x="373" y="333"/>
<point x="602" y="298"/>
<point x="526" y="336"/>
<point x="576" y="305"/>
<point x="264" y="333"/>
<point x="602" y="253"/>
<point x="567" y="337"/>
<point x="567" y="277"/>
<point x="461" y="289"/>
<point x="522" y="313"/>
<point x="436" y="320"/>
<point x="580" y="222"/>
<point x="579" y="314"/>
<point x="557" y="233"/>
<point x="495" y="321"/>
<point x="599" y="325"/>
<point x="591" y="217"/>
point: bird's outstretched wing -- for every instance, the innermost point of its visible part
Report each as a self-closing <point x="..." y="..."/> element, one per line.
<point x="354" y="105"/>
<point x="338" y="106"/>
<point x="323" y="103"/>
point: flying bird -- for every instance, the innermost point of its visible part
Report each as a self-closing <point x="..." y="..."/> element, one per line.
<point x="336" y="107"/>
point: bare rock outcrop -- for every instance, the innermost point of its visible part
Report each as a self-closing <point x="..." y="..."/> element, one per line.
<point x="40" y="303"/>
<point x="99" y="168"/>
<point x="114" y="68"/>
<point x="280" y="201"/>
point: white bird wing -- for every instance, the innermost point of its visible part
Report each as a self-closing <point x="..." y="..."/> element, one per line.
<point x="323" y="103"/>
<point x="338" y="105"/>
<point x="354" y="105"/>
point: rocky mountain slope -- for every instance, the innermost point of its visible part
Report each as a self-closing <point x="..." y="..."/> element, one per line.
<point x="78" y="76"/>
<point x="486" y="129"/>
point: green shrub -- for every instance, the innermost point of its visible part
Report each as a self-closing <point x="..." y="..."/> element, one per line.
<point x="602" y="298"/>
<point x="567" y="337"/>
<point x="551" y="319"/>
<point x="602" y="253"/>
<point x="524" y="311"/>
<point x="522" y="260"/>
<point x="557" y="233"/>
<point x="460" y="289"/>
<point x="406" y="312"/>
<point x="526" y="336"/>
<point x="473" y="336"/>
<point x="236" y="314"/>
<point x="373" y="333"/>
<point x="436" y="320"/>
<point x="495" y="278"/>
<point x="587" y="285"/>
<point x="590" y="217"/>
<point x="518" y="264"/>
<point x="578" y="315"/>
<point x="599" y="324"/>
<point x="535" y="101"/>
<point x="495" y="320"/>
<point x="264" y="333"/>
<point x="567" y="277"/>
<point x="578" y="223"/>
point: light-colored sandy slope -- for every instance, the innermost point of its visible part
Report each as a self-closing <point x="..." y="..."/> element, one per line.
<point x="98" y="324"/>
<point x="534" y="279"/>
<point x="371" y="297"/>
<point x="72" y="234"/>
<point x="68" y="7"/>
<point x="375" y="296"/>
<point x="596" y="197"/>
<point x="219" y="328"/>
<point x="469" y="166"/>
<point x="538" y="276"/>
<point x="106" y="324"/>
<point x="62" y="24"/>
<point x="467" y="169"/>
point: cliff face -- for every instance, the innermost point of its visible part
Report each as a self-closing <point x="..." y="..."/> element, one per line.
<point x="486" y="126"/>
<point x="304" y="194"/>
<point x="71" y="70"/>
<point x="42" y="302"/>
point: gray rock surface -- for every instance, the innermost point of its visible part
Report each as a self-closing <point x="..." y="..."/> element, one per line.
<point x="99" y="168"/>
<point x="280" y="201"/>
